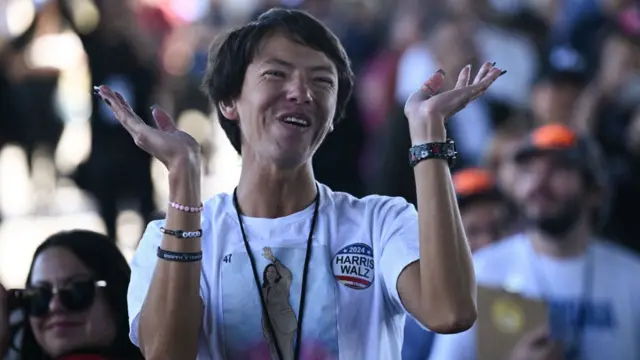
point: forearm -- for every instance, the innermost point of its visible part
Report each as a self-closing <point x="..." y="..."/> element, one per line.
<point x="172" y="313"/>
<point x="447" y="277"/>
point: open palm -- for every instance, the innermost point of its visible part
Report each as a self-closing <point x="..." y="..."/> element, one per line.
<point x="427" y="105"/>
<point x="166" y="143"/>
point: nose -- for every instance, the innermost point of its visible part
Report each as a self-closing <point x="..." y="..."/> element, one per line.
<point x="55" y="305"/>
<point x="298" y="91"/>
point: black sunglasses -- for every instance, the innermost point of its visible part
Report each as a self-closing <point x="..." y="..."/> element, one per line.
<point x="78" y="296"/>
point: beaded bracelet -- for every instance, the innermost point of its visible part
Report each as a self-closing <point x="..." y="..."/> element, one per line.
<point x="185" y="208"/>
<point x="181" y="234"/>
<point x="179" y="256"/>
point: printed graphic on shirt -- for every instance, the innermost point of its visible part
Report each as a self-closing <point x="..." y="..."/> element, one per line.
<point x="353" y="266"/>
<point x="571" y="318"/>
<point x="246" y="327"/>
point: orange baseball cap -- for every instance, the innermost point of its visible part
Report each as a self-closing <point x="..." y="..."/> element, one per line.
<point x="560" y="140"/>
<point x="473" y="184"/>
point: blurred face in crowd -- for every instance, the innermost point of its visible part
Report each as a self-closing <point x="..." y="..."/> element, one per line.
<point x="485" y="221"/>
<point x="453" y="46"/>
<point x="506" y="169"/>
<point x="551" y="193"/>
<point x="287" y="103"/>
<point x="552" y="102"/>
<point x="500" y="160"/>
<point x="60" y="330"/>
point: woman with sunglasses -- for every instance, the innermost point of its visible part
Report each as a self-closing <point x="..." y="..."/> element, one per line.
<point x="74" y="303"/>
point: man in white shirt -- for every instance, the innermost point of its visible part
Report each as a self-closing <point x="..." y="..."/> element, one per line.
<point x="592" y="287"/>
<point x="236" y="277"/>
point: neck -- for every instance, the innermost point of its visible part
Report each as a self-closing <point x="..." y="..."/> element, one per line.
<point x="573" y="243"/>
<point x="266" y="191"/>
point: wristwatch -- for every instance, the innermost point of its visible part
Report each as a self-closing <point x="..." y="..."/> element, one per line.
<point x="435" y="150"/>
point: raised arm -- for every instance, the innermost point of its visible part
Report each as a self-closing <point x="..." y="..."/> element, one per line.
<point x="439" y="290"/>
<point x="282" y="270"/>
<point x="171" y="315"/>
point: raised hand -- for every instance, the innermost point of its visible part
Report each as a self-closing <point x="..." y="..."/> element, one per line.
<point x="268" y="254"/>
<point x="427" y="110"/>
<point x="177" y="150"/>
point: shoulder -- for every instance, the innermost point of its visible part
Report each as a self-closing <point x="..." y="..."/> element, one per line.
<point x="625" y="260"/>
<point x="500" y="248"/>
<point x="372" y="206"/>
<point x="498" y="255"/>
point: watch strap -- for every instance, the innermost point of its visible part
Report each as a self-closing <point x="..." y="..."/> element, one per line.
<point x="434" y="150"/>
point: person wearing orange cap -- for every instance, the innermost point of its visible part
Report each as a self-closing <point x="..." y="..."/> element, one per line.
<point x="591" y="286"/>
<point x="484" y="210"/>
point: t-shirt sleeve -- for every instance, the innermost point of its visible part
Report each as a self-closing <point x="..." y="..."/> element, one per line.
<point x="143" y="265"/>
<point x="459" y="346"/>
<point x="399" y="242"/>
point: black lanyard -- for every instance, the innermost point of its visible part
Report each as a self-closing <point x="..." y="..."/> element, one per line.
<point x="296" y="354"/>
<point x="587" y="293"/>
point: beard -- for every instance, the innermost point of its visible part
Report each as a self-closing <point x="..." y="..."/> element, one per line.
<point x="561" y="222"/>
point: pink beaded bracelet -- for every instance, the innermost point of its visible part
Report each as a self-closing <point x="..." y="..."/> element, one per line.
<point x="185" y="208"/>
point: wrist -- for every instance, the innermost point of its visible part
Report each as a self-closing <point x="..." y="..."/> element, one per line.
<point x="433" y="131"/>
<point x="184" y="184"/>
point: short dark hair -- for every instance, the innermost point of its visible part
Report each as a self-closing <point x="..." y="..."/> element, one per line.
<point x="231" y="55"/>
<point x="105" y="261"/>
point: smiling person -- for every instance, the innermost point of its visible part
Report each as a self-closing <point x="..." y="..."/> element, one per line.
<point x="74" y="305"/>
<point x="357" y="266"/>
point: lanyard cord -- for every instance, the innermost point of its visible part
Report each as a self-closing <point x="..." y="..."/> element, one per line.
<point x="305" y="271"/>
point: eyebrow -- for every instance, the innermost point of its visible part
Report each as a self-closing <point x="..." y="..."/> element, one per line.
<point x="284" y="63"/>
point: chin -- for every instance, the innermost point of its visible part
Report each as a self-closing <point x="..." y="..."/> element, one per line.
<point x="57" y="347"/>
<point x="290" y="160"/>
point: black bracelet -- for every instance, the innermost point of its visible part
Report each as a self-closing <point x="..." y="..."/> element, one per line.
<point x="435" y="150"/>
<point x="179" y="256"/>
<point x="181" y="234"/>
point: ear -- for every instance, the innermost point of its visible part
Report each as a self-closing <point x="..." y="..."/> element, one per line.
<point x="228" y="109"/>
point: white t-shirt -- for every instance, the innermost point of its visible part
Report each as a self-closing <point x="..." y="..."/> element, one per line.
<point x="352" y="306"/>
<point x="611" y="313"/>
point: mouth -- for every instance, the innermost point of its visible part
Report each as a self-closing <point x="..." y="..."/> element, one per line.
<point x="60" y="325"/>
<point x="297" y="120"/>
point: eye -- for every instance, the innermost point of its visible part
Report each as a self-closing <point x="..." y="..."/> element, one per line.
<point x="325" y="80"/>
<point x="274" y="73"/>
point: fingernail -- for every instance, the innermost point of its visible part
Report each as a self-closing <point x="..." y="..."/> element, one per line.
<point x="468" y="66"/>
<point x="442" y="72"/>
<point x="153" y="107"/>
<point x="503" y="72"/>
<point x="493" y="64"/>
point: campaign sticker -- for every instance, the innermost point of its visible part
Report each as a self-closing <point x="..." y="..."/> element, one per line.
<point x="353" y="266"/>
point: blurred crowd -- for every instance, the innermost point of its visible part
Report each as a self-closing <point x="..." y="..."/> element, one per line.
<point x="569" y="62"/>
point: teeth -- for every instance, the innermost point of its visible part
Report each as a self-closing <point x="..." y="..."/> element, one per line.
<point x="295" y="120"/>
